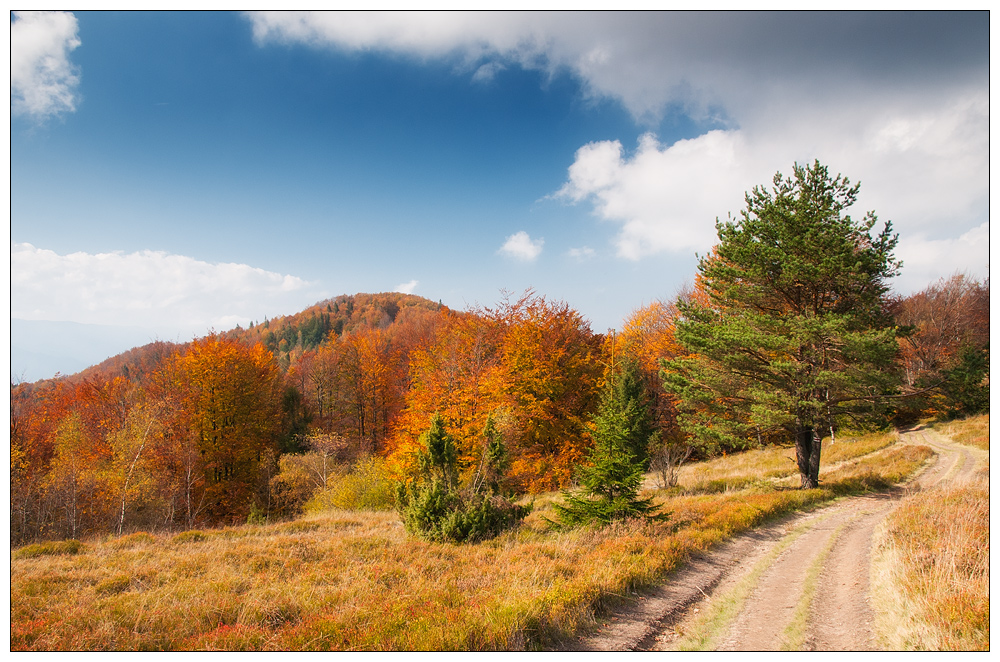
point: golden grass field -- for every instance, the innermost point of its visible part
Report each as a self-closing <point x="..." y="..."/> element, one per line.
<point x="344" y="580"/>
<point x="934" y="560"/>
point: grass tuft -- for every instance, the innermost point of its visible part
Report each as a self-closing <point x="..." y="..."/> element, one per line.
<point x="49" y="548"/>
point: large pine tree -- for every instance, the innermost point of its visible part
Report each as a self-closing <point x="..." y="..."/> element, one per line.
<point x="795" y="330"/>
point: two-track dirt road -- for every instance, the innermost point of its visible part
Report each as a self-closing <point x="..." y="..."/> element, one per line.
<point x="800" y="584"/>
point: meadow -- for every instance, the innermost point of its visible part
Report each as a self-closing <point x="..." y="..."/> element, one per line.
<point x="354" y="580"/>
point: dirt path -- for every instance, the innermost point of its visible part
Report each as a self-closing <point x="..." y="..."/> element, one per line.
<point x="798" y="584"/>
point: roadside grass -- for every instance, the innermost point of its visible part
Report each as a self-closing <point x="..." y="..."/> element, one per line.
<point x="354" y="580"/>
<point x="931" y="571"/>
<point x="931" y="562"/>
<point x="973" y="431"/>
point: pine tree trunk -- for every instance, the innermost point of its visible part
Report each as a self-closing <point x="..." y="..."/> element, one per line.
<point x="807" y="455"/>
<point x="817" y="448"/>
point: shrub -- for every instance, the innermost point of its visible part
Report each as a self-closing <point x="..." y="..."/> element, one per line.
<point x="367" y="486"/>
<point x="436" y="508"/>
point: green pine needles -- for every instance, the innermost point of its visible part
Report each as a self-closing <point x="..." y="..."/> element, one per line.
<point x="437" y="507"/>
<point x="618" y="460"/>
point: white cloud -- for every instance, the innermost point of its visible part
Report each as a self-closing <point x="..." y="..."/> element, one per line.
<point x="149" y="289"/>
<point x="924" y="169"/>
<point x="925" y="260"/>
<point x="407" y="288"/>
<point x="662" y="196"/>
<point x="584" y="253"/>
<point x="43" y="81"/>
<point x="521" y="246"/>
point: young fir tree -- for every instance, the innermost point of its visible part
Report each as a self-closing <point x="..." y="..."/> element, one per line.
<point x="611" y="481"/>
<point x="795" y="330"/>
<point x="437" y="507"/>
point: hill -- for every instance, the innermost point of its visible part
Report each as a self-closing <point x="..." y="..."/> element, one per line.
<point x="285" y="336"/>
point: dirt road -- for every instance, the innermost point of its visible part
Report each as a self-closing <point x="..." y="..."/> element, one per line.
<point x="798" y="584"/>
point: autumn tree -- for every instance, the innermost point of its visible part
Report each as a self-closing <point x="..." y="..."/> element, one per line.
<point x="130" y="469"/>
<point x="552" y="370"/>
<point x="73" y="478"/>
<point x="945" y="345"/>
<point x="229" y="409"/>
<point x="795" y="331"/>
<point x="530" y="364"/>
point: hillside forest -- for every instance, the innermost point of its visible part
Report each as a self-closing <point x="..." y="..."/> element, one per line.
<point x="257" y="423"/>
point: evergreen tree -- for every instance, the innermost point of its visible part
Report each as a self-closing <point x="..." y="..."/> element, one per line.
<point x="611" y="480"/>
<point x="964" y="391"/>
<point x="795" y="329"/>
<point x="436" y="507"/>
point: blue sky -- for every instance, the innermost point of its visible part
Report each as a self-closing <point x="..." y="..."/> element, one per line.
<point x="175" y="172"/>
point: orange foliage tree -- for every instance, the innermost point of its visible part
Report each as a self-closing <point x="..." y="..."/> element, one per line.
<point x="532" y="365"/>
<point x="228" y="408"/>
<point x="944" y="317"/>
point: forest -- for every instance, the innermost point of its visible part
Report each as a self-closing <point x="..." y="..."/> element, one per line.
<point x="261" y="423"/>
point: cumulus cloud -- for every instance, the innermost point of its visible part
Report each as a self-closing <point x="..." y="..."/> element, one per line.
<point x="407" y="288"/>
<point x="149" y="289"/>
<point x="662" y="196"/>
<point x="43" y="81"/>
<point x="521" y="246"/>
<point x="584" y="253"/>
<point x="925" y="171"/>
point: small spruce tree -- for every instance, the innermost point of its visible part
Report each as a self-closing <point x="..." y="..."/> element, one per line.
<point x="437" y="507"/>
<point x="611" y="481"/>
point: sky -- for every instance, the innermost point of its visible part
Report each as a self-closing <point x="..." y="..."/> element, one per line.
<point x="173" y="173"/>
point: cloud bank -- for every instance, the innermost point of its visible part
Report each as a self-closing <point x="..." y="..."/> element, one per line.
<point x="148" y="289"/>
<point x="43" y="81"/>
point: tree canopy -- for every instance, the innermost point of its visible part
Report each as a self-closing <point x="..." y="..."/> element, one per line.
<point x="795" y="329"/>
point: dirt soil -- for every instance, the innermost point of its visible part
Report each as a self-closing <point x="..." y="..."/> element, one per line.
<point x="835" y="541"/>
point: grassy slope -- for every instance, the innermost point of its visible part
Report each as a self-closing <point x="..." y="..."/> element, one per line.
<point x="356" y="581"/>
<point x="931" y="568"/>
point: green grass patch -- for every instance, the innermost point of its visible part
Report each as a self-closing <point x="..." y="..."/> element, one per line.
<point x="49" y="548"/>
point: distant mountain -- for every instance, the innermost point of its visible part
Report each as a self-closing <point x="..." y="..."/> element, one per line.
<point x="41" y="349"/>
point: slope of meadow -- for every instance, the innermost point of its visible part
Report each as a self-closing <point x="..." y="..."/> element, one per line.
<point x="356" y="581"/>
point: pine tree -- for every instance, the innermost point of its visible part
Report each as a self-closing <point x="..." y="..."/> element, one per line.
<point x="611" y="480"/>
<point x="795" y="330"/>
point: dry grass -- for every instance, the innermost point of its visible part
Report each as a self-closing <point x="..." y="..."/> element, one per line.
<point x="356" y="581"/>
<point x="931" y="571"/>
<point x="774" y="463"/>
<point x="972" y="431"/>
